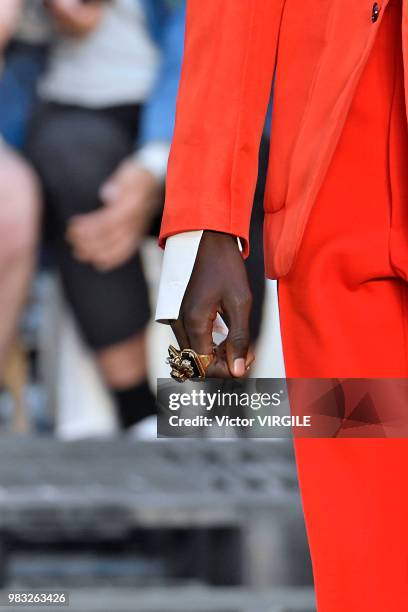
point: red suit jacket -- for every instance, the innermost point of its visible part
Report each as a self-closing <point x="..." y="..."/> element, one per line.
<point x="315" y="52"/>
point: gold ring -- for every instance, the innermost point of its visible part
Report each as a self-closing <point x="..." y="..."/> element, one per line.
<point x="187" y="364"/>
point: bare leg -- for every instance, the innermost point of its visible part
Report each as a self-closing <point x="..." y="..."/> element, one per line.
<point x="124" y="368"/>
<point x="124" y="365"/>
<point x="19" y="208"/>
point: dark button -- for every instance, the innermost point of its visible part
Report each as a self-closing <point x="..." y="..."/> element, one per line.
<point x="376" y="12"/>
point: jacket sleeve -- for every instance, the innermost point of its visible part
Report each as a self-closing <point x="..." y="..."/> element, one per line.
<point x="228" y="66"/>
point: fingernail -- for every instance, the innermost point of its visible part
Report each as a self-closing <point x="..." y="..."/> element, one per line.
<point x="239" y="367"/>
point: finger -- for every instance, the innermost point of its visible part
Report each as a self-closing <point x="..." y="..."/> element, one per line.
<point x="109" y="253"/>
<point x="114" y="186"/>
<point x="109" y="192"/>
<point x="92" y="248"/>
<point x="116" y="256"/>
<point x="249" y="361"/>
<point x="101" y="237"/>
<point x="94" y="232"/>
<point x="238" y="339"/>
<point x="83" y="226"/>
<point x="219" y="367"/>
<point x="180" y="332"/>
<point x="100" y="219"/>
<point x="198" y="323"/>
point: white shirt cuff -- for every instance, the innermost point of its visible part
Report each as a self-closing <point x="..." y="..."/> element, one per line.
<point x="178" y="263"/>
<point x="154" y="156"/>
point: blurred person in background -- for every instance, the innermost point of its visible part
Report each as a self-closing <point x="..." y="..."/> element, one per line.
<point x="21" y="54"/>
<point x="99" y="140"/>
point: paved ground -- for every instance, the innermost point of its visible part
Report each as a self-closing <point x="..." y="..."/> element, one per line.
<point x="69" y="513"/>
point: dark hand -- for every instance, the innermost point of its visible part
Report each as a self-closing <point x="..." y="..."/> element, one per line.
<point x="218" y="284"/>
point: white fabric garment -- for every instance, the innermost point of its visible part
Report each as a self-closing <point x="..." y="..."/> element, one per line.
<point x="178" y="263"/>
<point x="154" y="157"/>
<point x="114" y="65"/>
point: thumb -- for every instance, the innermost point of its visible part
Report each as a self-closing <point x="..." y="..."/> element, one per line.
<point x="238" y="340"/>
<point x="109" y="191"/>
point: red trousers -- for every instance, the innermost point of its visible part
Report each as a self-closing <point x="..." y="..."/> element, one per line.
<point x="344" y="313"/>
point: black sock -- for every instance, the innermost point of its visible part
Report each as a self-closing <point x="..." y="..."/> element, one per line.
<point x="134" y="404"/>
